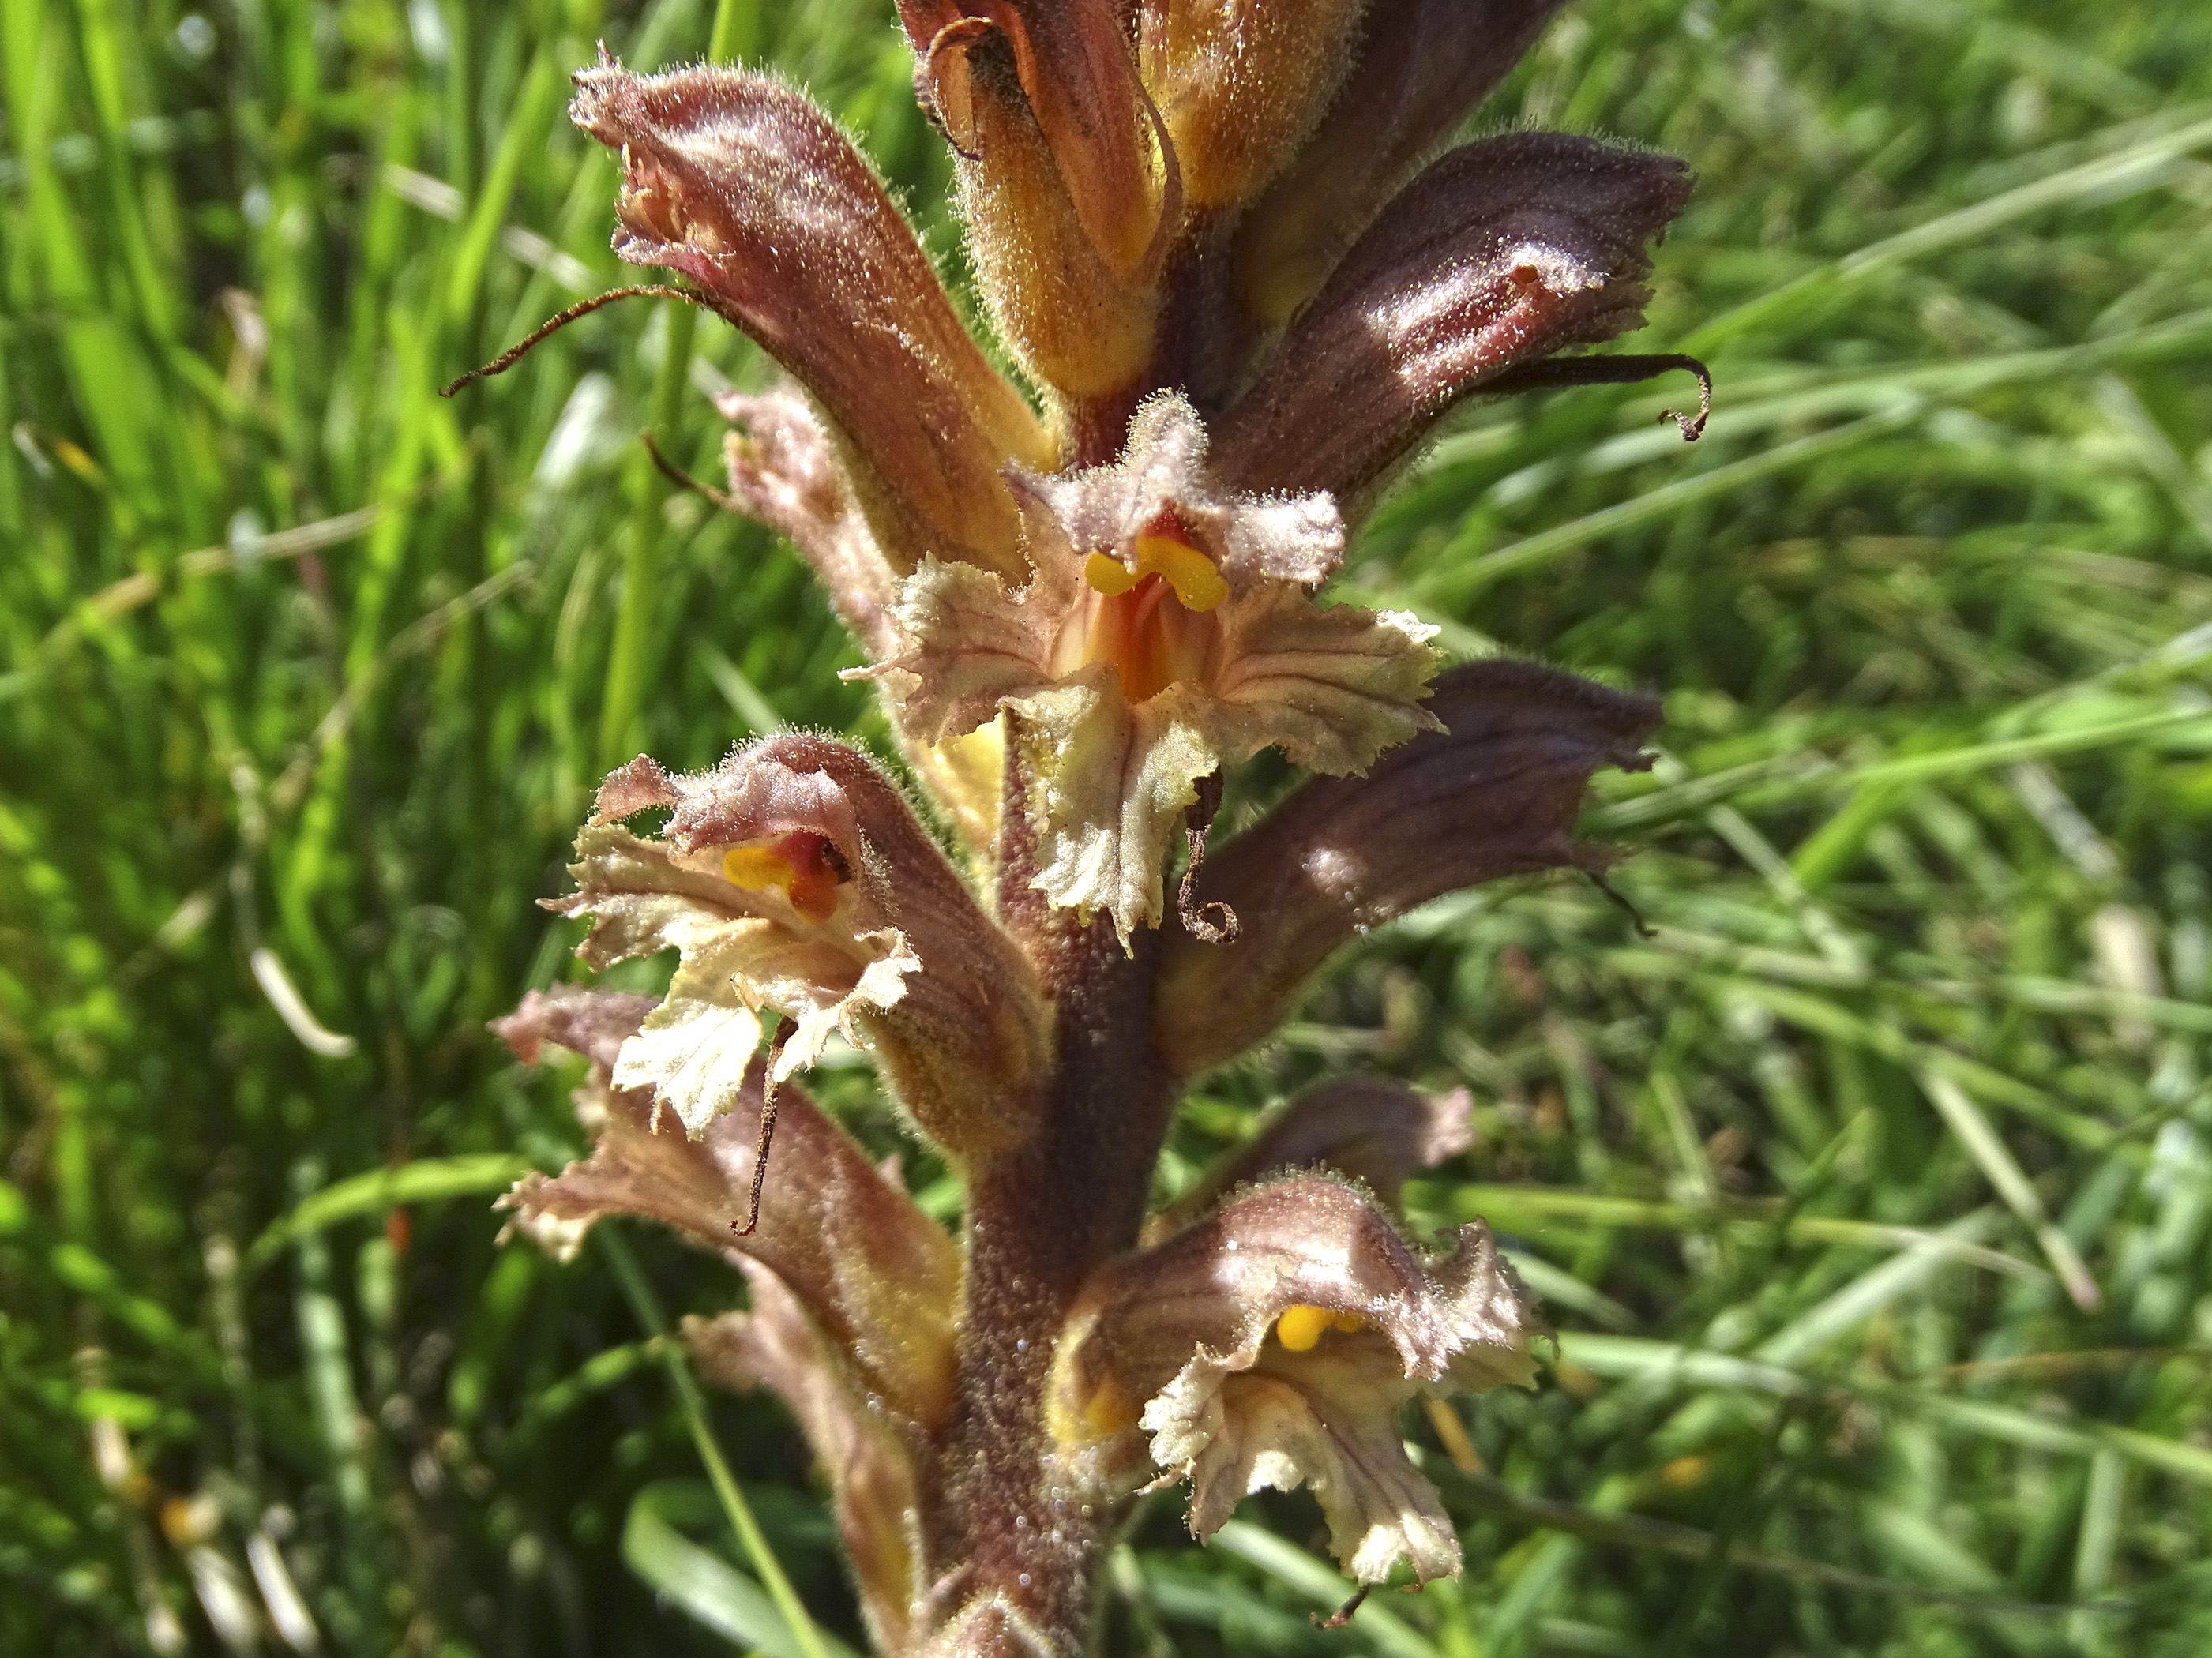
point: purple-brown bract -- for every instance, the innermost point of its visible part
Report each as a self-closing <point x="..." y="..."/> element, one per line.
<point x="1240" y="300"/>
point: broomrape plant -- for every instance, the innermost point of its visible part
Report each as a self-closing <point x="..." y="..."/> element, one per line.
<point x="1079" y="612"/>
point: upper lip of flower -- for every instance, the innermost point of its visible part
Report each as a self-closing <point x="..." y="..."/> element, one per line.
<point x="1493" y="790"/>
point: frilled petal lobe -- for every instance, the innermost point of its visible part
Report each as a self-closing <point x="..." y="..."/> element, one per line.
<point x="793" y="877"/>
<point x="1274" y="1343"/>
<point x="739" y="956"/>
<point x="1119" y="695"/>
<point x="1495" y="792"/>
<point x="1106" y="785"/>
<point x="593" y="1024"/>
<point x="1327" y="1419"/>
<point x="1372" y="1129"/>
<point x="876" y="1273"/>
<point x="1332" y="686"/>
<point x="1067" y="190"/>
<point x="1422" y="64"/>
<point x="1501" y="252"/>
<point x="777" y="1346"/>
<point x="744" y="185"/>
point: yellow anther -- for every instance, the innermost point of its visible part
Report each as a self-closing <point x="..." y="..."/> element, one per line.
<point x="1196" y="582"/>
<point x="1189" y="572"/>
<point x="797" y="866"/>
<point x="758" y="869"/>
<point x="1300" y="1327"/>
<point x="1108" y="574"/>
<point x="1110" y="1410"/>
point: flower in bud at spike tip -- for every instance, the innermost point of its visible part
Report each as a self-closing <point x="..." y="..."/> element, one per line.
<point x="1067" y="186"/>
<point x="1168" y="632"/>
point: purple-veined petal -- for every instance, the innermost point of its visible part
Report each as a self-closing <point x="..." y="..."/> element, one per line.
<point x="1494" y="793"/>
<point x="742" y="184"/>
<point x="1500" y="254"/>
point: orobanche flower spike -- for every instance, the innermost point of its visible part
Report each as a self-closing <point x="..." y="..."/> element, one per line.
<point x="1241" y="275"/>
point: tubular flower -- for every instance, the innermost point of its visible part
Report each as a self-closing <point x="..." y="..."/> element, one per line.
<point x="852" y="1287"/>
<point x="1272" y="1344"/>
<point x="869" y="1268"/>
<point x="792" y="877"/>
<point x="1068" y="191"/>
<point x="1492" y="792"/>
<point x="1167" y="632"/>
<point x="1500" y="254"/>
<point x="745" y="186"/>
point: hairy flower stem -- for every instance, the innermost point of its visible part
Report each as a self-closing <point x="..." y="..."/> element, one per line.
<point x="1041" y="1219"/>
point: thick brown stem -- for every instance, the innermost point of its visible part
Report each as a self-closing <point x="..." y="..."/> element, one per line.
<point x="1013" y="1524"/>
<point x="1041" y="1219"/>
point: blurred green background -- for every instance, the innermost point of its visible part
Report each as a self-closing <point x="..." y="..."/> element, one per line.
<point x="1869" y="1189"/>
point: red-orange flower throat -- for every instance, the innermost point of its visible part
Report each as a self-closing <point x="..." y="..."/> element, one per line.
<point x="1148" y="621"/>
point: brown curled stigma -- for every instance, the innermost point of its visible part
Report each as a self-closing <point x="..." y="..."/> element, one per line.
<point x="514" y="354"/>
<point x="1342" y="1615"/>
<point x="1622" y="901"/>
<point x="683" y="480"/>
<point x="1612" y="371"/>
<point x="786" y="1029"/>
<point x="1213" y="922"/>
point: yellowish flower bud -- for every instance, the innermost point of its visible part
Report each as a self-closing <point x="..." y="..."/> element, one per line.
<point x="1240" y="83"/>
